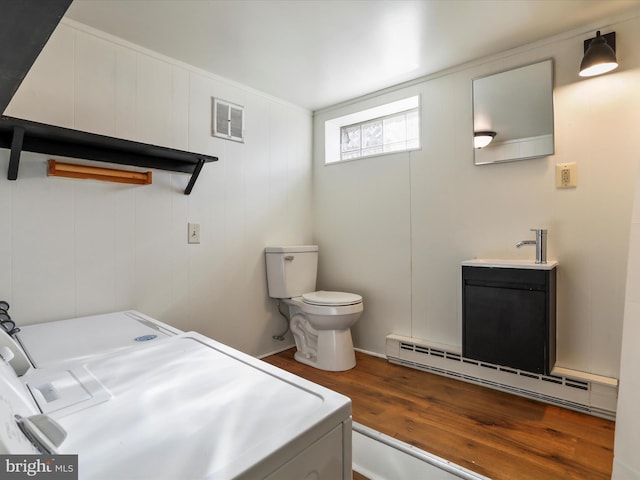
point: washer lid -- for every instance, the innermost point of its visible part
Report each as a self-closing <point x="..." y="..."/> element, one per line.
<point x="331" y="298"/>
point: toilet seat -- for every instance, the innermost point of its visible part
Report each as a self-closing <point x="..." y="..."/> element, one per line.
<point x="333" y="299"/>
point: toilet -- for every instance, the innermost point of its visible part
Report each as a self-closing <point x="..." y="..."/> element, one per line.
<point x="319" y="320"/>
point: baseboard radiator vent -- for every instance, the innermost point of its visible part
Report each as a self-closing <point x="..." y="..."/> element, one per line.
<point x="596" y="398"/>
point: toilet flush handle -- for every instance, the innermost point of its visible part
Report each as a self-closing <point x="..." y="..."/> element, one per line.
<point x="289" y="258"/>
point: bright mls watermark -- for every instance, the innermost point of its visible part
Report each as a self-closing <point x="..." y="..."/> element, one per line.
<point x="50" y="467"/>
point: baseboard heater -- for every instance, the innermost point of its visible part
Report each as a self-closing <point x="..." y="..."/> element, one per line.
<point x="582" y="392"/>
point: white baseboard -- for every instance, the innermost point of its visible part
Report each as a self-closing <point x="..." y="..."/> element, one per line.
<point x="373" y="354"/>
<point x="275" y="352"/>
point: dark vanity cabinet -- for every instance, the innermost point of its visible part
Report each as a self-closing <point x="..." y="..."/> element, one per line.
<point x="509" y="316"/>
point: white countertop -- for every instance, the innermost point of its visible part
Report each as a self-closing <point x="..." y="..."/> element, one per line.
<point x="507" y="263"/>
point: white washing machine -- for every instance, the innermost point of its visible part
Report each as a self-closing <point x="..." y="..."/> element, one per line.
<point x="55" y="343"/>
<point x="186" y="407"/>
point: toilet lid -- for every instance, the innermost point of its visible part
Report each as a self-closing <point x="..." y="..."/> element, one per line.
<point x="331" y="298"/>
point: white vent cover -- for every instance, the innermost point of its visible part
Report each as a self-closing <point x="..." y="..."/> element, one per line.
<point x="595" y="395"/>
<point x="227" y="120"/>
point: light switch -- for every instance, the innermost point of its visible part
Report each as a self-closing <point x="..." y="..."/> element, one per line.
<point x="194" y="233"/>
<point x="566" y="175"/>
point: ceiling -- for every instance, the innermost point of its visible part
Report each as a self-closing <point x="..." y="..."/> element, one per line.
<point x="316" y="53"/>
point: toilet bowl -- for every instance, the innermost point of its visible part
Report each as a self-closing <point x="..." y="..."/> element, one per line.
<point x="319" y="320"/>
<point x="321" y="326"/>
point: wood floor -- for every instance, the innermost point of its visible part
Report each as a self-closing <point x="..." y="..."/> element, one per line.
<point x="493" y="433"/>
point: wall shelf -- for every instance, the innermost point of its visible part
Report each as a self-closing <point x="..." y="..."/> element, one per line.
<point x="23" y="135"/>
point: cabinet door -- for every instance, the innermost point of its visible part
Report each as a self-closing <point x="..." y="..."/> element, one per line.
<point x="505" y="326"/>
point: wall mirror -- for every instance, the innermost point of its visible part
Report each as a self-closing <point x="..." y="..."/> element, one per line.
<point x="513" y="111"/>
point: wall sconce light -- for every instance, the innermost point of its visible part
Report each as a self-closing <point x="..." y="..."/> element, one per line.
<point x="599" y="55"/>
<point x="482" y="139"/>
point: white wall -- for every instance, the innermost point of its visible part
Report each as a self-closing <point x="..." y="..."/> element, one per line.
<point x="72" y="247"/>
<point x="626" y="463"/>
<point x="395" y="228"/>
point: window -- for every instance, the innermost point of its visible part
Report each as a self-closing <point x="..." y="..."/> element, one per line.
<point x="394" y="133"/>
<point x="393" y="127"/>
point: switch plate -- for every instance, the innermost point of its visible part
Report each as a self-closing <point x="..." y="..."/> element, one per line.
<point x="194" y="233"/>
<point x="566" y="175"/>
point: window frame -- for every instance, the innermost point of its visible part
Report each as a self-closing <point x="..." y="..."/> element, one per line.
<point x="334" y="127"/>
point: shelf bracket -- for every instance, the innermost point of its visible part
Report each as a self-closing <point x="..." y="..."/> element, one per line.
<point x="194" y="176"/>
<point x="16" y="149"/>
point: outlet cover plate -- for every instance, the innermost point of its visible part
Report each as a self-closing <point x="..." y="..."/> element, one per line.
<point x="566" y="175"/>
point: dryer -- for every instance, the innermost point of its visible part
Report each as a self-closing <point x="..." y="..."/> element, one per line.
<point x="178" y="405"/>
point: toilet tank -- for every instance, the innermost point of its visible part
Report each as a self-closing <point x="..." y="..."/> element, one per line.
<point x="291" y="270"/>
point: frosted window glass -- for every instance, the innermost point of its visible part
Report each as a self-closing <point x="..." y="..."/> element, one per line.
<point x="372" y="134"/>
<point x="350" y="139"/>
<point x="393" y="133"/>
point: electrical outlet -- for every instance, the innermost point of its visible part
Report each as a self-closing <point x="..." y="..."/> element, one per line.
<point x="566" y="175"/>
<point x="194" y="233"/>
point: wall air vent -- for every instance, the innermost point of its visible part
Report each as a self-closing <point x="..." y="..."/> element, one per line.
<point x="227" y="120"/>
<point x="594" y="395"/>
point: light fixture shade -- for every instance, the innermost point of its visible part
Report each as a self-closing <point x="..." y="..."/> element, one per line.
<point x="482" y="139"/>
<point x="599" y="57"/>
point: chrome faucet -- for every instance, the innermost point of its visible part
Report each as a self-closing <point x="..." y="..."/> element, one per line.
<point x="540" y="242"/>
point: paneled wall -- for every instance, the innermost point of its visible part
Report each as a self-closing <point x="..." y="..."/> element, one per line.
<point x="626" y="464"/>
<point x="395" y="228"/>
<point x="75" y="247"/>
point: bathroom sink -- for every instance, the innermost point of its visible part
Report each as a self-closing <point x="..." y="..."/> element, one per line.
<point x="502" y="263"/>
